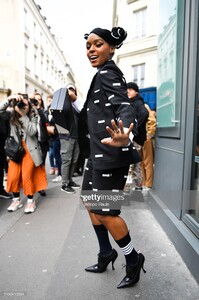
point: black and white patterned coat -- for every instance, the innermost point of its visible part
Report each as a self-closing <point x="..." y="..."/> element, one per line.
<point x="106" y="100"/>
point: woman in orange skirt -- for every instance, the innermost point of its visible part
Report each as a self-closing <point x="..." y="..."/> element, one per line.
<point x="30" y="173"/>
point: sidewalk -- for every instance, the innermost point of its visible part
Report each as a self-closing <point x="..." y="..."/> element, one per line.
<point x="43" y="255"/>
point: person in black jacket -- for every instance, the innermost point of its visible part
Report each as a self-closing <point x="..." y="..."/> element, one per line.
<point x="4" y="133"/>
<point x="142" y="114"/>
<point x="107" y="120"/>
<point x="54" y="143"/>
<point x="70" y="146"/>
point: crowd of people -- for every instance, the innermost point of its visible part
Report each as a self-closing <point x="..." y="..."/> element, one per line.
<point x="112" y="131"/>
<point x="25" y="117"/>
<point x="65" y="158"/>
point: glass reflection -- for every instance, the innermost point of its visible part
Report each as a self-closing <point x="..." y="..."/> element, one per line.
<point x="166" y="88"/>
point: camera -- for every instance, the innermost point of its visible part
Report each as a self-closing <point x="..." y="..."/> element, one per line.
<point x="19" y="104"/>
<point x="34" y="101"/>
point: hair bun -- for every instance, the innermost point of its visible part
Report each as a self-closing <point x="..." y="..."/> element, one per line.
<point x="119" y="35"/>
<point x="86" y="36"/>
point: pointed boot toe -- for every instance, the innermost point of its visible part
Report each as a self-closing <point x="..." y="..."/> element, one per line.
<point x="103" y="262"/>
<point x="127" y="281"/>
<point x="93" y="268"/>
<point x="133" y="273"/>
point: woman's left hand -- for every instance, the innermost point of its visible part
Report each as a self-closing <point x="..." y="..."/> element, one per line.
<point x="22" y="111"/>
<point x="118" y="138"/>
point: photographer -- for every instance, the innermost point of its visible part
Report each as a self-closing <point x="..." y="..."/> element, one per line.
<point x="43" y="136"/>
<point x="28" y="174"/>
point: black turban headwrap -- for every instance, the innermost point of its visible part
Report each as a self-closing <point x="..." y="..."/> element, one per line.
<point x="115" y="37"/>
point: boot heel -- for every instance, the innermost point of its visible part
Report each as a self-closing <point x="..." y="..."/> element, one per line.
<point x="113" y="268"/>
<point x="143" y="265"/>
<point x="113" y="261"/>
<point x="143" y="269"/>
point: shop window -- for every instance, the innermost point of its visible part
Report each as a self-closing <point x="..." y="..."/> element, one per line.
<point x="170" y="64"/>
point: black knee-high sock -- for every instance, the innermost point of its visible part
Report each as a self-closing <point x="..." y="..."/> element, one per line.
<point x="130" y="254"/>
<point x="103" y="239"/>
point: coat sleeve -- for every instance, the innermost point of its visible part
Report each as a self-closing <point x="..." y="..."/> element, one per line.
<point x="4" y="105"/>
<point x="114" y="86"/>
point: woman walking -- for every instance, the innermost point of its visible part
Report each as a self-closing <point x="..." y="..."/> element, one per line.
<point x="107" y="118"/>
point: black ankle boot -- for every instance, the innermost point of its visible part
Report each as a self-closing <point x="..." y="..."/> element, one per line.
<point x="133" y="273"/>
<point x="103" y="262"/>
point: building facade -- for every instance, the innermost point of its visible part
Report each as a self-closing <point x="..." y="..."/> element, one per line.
<point x="137" y="58"/>
<point x="31" y="60"/>
<point x="175" y="195"/>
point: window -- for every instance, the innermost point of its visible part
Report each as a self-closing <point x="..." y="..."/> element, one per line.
<point x="42" y="66"/>
<point x="138" y="75"/>
<point x="170" y="65"/>
<point x="142" y="77"/>
<point x="26" y="56"/>
<point x="26" y="23"/>
<point x="35" y="64"/>
<point x="140" y="23"/>
<point x="135" y="74"/>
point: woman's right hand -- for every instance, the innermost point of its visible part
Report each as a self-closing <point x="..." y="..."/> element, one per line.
<point x="72" y="95"/>
<point x="118" y="137"/>
<point x="22" y="111"/>
<point x="16" y="98"/>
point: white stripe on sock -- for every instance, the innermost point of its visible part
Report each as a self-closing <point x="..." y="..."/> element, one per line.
<point x="128" y="248"/>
